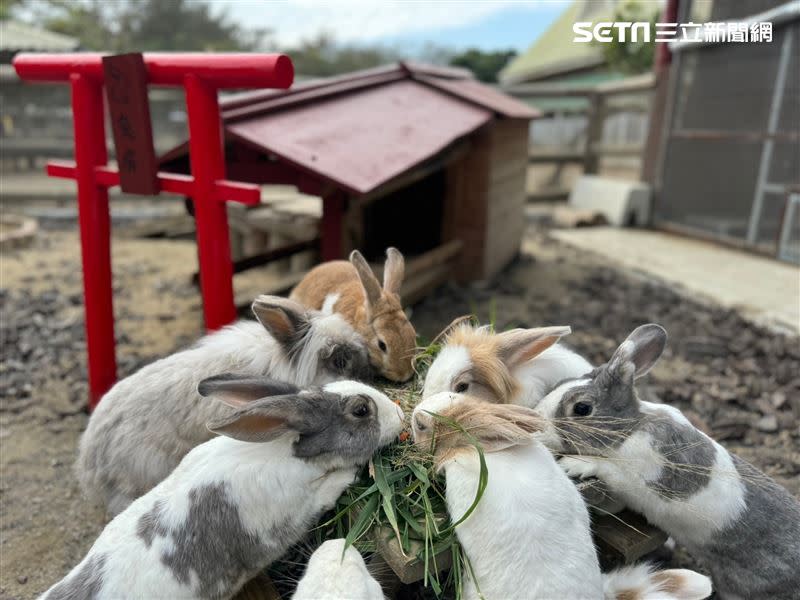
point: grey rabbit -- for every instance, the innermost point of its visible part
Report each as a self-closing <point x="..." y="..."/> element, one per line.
<point x="739" y="522"/>
<point x="147" y="422"/>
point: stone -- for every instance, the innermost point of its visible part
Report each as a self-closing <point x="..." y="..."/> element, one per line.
<point x="767" y="424"/>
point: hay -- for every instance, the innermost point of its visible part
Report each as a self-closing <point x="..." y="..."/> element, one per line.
<point x="397" y="508"/>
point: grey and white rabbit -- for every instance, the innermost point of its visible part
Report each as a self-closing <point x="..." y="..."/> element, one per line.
<point x="334" y="573"/>
<point x="147" y="422"/>
<point x="529" y="535"/>
<point x="739" y="522"/>
<point x="237" y="502"/>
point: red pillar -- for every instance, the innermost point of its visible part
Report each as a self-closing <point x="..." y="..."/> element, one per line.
<point x="95" y="226"/>
<point x="208" y="165"/>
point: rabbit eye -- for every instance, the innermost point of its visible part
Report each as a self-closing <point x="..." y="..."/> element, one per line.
<point x="582" y="409"/>
<point x="462" y="387"/>
<point x="382" y="345"/>
<point x="361" y="411"/>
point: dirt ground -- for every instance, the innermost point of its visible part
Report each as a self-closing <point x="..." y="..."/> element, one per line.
<point x="740" y="382"/>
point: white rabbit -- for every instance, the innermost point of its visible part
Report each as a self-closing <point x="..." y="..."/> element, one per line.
<point x="529" y="535"/>
<point x="742" y="524"/>
<point x="334" y="573"/>
<point x="237" y="502"/>
<point x="518" y="366"/>
<point x="147" y="422"/>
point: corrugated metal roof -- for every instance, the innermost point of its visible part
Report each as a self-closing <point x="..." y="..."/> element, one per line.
<point x="554" y="52"/>
<point x="16" y="36"/>
<point x="361" y="141"/>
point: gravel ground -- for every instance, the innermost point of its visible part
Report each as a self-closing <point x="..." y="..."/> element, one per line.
<point x="739" y="382"/>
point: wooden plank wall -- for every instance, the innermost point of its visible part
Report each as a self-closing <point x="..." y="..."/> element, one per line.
<point x="508" y="164"/>
<point x="465" y="209"/>
<point x="484" y="206"/>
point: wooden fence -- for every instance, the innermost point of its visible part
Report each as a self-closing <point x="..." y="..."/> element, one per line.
<point x="628" y="96"/>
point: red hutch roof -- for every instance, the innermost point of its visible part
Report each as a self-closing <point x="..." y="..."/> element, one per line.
<point x="360" y="130"/>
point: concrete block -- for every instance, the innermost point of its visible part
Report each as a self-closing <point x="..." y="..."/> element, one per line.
<point x="621" y="202"/>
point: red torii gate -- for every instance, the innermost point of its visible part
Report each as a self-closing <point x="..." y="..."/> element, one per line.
<point x="201" y="75"/>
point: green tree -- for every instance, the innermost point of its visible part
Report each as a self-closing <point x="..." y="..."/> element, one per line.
<point x="142" y="25"/>
<point x="322" y="56"/>
<point x="485" y="65"/>
<point x="632" y="57"/>
<point x="8" y="7"/>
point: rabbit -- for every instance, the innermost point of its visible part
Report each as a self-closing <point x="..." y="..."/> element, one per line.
<point x="529" y="535"/>
<point x="237" y="502"/>
<point x="739" y="522"/>
<point x="334" y="573"/>
<point x="352" y="290"/>
<point x="147" y="422"/>
<point x="519" y="366"/>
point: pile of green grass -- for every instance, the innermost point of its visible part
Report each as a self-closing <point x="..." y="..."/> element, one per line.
<point x="400" y="495"/>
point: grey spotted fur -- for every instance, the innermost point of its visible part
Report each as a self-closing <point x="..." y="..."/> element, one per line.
<point x="147" y="422"/>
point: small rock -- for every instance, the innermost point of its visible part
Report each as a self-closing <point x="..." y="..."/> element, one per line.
<point x="768" y="424"/>
<point x="22" y="579"/>
<point x="778" y="399"/>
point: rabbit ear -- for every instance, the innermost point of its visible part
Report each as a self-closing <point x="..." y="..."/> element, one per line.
<point x="639" y="352"/>
<point x="239" y="390"/>
<point x="518" y="346"/>
<point x="495" y="426"/>
<point x="251" y="425"/>
<point x="265" y="419"/>
<point x="370" y="283"/>
<point x="393" y="271"/>
<point x="453" y="325"/>
<point x="284" y="319"/>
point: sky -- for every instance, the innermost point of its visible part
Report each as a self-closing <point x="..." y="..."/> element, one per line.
<point x="458" y="24"/>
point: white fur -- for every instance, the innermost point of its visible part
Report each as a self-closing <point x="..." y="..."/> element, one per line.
<point x="529" y="536"/>
<point x="536" y="376"/>
<point x="547" y="408"/>
<point x="390" y="415"/>
<point x="627" y="470"/>
<point x="334" y="573"/>
<point x="273" y="490"/>
<point x="329" y="305"/>
<point x="148" y="421"/>
<point x="539" y="375"/>
<point x="296" y="491"/>
<point x="639" y="577"/>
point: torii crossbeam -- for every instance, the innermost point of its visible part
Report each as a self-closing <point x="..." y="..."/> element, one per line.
<point x="201" y="76"/>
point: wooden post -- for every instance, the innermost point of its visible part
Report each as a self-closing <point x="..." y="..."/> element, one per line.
<point x="333" y="207"/>
<point x="594" y="133"/>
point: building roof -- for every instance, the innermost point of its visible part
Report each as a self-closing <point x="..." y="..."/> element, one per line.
<point x="361" y="130"/>
<point x="16" y="37"/>
<point x="554" y="52"/>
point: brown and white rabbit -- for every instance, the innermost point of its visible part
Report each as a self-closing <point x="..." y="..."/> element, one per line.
<point x="739" y="522"/>
<point x="528" y="536"/>
<point x="352" y="290"/>
<point x="518" y="366"/>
